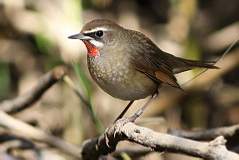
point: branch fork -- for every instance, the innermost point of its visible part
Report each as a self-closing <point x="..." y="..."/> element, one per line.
<point x="107" y="142"/>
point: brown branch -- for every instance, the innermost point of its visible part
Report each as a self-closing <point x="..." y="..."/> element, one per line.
<point x="38" y="135"/>
<point x="132" y="151"/>
<point x="222" y="38"/>
<point x="9" y="142"/>
<point x="227" y="64"/>
<point x="27" y="99"/>
<point x="106" y="143"/>
<point x="22" y="102"/>
<point x="207" y="134"/>
<point x="5" y="156"/>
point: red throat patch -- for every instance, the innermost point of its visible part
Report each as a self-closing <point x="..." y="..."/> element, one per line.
<point x="92" y="51"/>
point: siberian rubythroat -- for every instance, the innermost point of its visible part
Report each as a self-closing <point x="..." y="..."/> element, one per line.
<point x="128" y="65"/>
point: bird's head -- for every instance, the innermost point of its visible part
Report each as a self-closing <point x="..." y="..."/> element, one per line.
<point x="99" y="35"/>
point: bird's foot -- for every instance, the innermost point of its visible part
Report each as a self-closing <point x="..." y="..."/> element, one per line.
<point x="116" y="126"/>
<point x="122" y="121"/>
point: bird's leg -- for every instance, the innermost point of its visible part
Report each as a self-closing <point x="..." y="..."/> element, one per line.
<point x="119" y="117"/>
<point x="121" y="121"/>
<point x="137" y="114"/>
<point x="124" y="111"/>
<point x="141" y="110"/>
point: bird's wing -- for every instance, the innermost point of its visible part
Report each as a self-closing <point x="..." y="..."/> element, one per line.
<point x="156" y="69"/>
<point x="148" y="59"/>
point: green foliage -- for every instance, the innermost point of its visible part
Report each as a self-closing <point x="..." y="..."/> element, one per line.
<point x="83" y="79"/>
<point x="87" y="103"/>
<point x="5" y="79"/>
<point x="43" y="44"/>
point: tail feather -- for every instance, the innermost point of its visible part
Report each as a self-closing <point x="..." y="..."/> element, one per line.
<point x="184" y="65"/>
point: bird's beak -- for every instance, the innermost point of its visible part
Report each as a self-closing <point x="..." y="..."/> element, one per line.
<point x="80" y="36"/>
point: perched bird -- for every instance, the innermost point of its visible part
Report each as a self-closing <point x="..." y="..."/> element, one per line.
<point x="128" y="65"/>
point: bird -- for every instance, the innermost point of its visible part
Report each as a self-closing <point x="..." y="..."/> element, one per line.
<point x="129" y="66"/>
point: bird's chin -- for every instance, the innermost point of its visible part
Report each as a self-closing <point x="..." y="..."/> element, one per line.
<point x="92" y="50"/>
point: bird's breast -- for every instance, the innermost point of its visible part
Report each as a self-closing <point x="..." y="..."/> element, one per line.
<point x="117" y="77"/>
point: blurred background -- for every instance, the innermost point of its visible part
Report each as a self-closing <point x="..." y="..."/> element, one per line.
<point x="33" y="40"/>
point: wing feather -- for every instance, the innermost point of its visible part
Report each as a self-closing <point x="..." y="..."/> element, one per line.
<point x="148" y="59"/>
<point x="157" y="71"/>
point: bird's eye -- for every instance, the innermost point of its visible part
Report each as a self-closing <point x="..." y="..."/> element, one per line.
<point x="99" y="34"/>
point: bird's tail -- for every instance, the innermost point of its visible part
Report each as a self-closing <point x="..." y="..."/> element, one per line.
<point x="184" y="64"/>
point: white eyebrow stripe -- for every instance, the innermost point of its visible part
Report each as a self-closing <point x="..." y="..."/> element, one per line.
<point x="96" y="29"/>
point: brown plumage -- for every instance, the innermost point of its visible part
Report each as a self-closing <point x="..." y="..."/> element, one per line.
<point x="128" y="65"/>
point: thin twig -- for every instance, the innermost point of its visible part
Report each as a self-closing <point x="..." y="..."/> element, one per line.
<point x="230" y="62"/>
<point x="221" y="58"/>
<point x="222" y="38"/>
<point x="207" y="134"/>
<point x="22" y="102"/>
<point x="36" y="134"/>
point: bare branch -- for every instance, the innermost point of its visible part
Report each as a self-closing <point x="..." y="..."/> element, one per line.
<point x="227" y="64"/>
<point x="222" y="38"/>
<point x="5" y="156"/>
<point x="207" y="134"/>
<point x="27" y="99"/>
<point x="9" y="142"/>
<point x="38" y="135"/>
<point x="106" y="143"/>
<point x="134" y="151"/>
